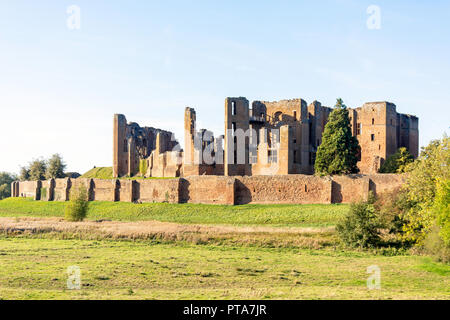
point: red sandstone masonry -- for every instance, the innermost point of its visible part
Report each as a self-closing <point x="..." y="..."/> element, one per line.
<point x="208" y="189"/>
<point x="61" y="192"/>
<point x="350" y="188"/>
<point x="29" y="189"/>
<point x="292" y="189"/>
<point x="381" y="183"/>
<point x="158" y="190"/>
<point x="103" y="190"/>
<point x="125" y="190"/>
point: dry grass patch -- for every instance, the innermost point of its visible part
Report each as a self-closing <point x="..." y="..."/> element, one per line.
<point x="314" y="238"/>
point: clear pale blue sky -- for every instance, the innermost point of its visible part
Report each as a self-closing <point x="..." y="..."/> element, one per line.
<point x="59" y="88"/>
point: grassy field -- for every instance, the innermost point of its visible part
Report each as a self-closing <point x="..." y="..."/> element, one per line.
<point x="36" y="269"/>
<point x="171" y="251"/>
<point x="246" y="215"/>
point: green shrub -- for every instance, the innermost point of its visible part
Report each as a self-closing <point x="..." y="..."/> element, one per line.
<point x="143" y="167"/>
<point x="76" y="209"/>
<point x="398" y="162"/>
<point x="361" y="226"/>
<point x="391" y="207"/>
<point x="43" y="193"/>
<point x="442" y="209"/>
<point x="435" y="245"/>
<point x="424" y="177"/>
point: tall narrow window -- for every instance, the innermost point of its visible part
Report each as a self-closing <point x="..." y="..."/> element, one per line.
<point x="233" y="108"/>
<point x="125" y="146"/>
<point x="372" y="137"/>
<point x="233" y="127"/>
<point x="295" y="115"/>
<point x="373" y="121"/>
<point x="358" y="128"/>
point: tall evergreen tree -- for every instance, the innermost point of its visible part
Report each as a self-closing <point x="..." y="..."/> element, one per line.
<point x="24" y="174"/>
<point x="338" y="153"/>
<point x="37" y="170"/>
<point x="397" y="162"/>
<point x="55" y="167"/>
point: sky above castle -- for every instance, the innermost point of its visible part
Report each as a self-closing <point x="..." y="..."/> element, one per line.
<point x="67" y="66"/>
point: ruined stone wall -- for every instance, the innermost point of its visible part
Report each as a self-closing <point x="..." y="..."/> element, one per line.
<point x="103" y="190"/>
<point x="82" y="182"/>
<point x="381" y="183"/>
<point x="29" y="189"/>
<point x="207" y="189"/>
<point x="125" y="190"/>
<point x="237" y="118"/>
<point x="350" y="188"/>
<point x="293" y="189"/>
<point x="61" y="192"/>
<point x="157" y="190"/>
<point x="380" y="131"/>
<point x="132" y="143"/>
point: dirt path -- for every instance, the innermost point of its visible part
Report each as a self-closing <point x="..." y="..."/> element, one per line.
<point x="136" y="229"/>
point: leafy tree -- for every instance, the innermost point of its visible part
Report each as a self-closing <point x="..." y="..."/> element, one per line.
<point x="442" y="209"/>
<point x="37" y="169"/>
<point x="361" y="226"/>
<point x="5" y="184"/>
<point x="24" y="174"/>
<point x="338" y="153"/>
<point x="55" y="167"/>
<point x="397" y="162"/>
<point x="424" y="177"/>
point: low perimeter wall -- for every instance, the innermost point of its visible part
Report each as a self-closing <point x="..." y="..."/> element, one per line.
<point x="291" y="189"/>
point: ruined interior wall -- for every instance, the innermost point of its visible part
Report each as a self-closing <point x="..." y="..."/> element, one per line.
<point x="237" y="118"/>
<point x="133" y="143"/>
<point x="279" y="189"/>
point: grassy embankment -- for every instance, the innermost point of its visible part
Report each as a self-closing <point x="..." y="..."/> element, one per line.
<point x="106" y="173"/>
<point x="315" y="215"/>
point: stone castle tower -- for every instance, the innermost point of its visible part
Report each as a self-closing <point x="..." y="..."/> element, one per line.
<point x="270" y="138"/>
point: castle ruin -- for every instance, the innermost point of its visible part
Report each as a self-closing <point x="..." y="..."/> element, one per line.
<point x="270" y="138"/>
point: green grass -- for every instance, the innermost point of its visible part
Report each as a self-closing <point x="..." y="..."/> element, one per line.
<point x="37" y="269"/>
<point x="314" y="215"/>
<point x="106" y="173"/>
<point x="99" y="173"/>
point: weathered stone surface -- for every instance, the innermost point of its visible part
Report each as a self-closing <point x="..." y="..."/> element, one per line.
<point x="271" y="138"/>
<point x="294" y="189"/>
